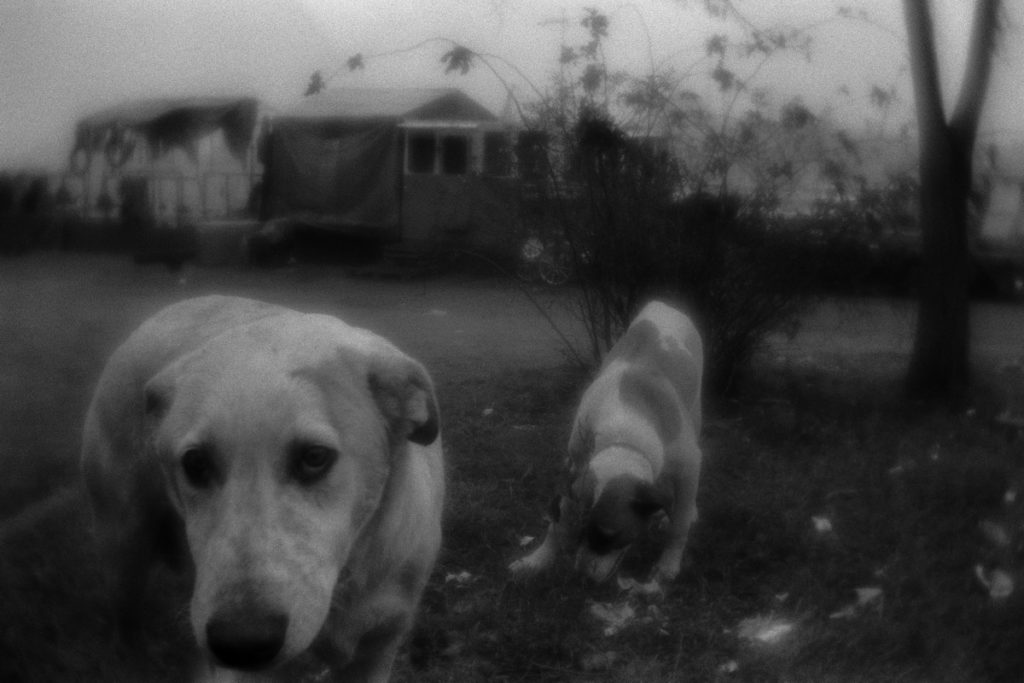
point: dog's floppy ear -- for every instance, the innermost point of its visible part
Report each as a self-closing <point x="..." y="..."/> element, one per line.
<point x="405" y="394"/>
<point x="649" y="499"/>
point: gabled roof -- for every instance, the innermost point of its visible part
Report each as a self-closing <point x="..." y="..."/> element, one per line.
<point x="396" y="104"/>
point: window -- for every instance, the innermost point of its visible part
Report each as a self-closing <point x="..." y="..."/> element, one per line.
<point x="497" y="154"/>
<point x="421" y="152"/>
<point x="454" y="154"/>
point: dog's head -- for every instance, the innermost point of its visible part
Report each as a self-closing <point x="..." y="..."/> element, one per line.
<point x="276" y="443"/>
<point x="616" y="500"/>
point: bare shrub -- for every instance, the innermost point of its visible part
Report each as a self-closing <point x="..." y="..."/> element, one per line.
<point x="632" y="239"/>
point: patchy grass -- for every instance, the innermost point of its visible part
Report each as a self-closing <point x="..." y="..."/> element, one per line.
<point x="903" y="489"/>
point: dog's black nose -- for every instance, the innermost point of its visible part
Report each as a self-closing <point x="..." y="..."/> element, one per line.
<point x="602" y="540"/>
<point x="246" y="641"/>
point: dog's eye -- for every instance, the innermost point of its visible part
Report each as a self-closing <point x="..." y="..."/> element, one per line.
<point x="199" y="468"/>
<point x="312" y="463"/>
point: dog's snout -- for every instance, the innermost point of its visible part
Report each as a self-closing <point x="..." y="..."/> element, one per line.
<point x="601" y="539"/>
<point x="246" y="641"/>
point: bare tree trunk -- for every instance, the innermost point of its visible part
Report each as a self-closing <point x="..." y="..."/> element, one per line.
<point x="939" y="367"/>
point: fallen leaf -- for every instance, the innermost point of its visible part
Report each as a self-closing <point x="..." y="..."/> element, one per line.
<point x="767" y="630"/>
<point x="614" y="617"/>
<point x="995" y="533"/>
<point x="598" y="661"/>
<point x="848" y="612"/>
<point x="868" y="595"/>
<point x="823" y="525"/>
<point x="460" y="578"/>
<point x="730" y="667"/>
<point x="651" y="589"/>
<point x="997" y="582"/>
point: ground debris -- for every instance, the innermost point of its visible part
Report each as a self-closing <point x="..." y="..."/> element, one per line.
<point x="593" y="662"/>
<point x="614" y="617"/>
<point x="868" y="597"/>
<point x="765" y="630"/>
<point x="997" y="582"/>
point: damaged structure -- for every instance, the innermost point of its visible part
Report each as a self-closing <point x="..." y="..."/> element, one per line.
<point x="168" y="161"/>
<point x="415" y="167"/>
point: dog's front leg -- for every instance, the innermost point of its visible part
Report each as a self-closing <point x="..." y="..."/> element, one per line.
<point x="375" y="666"/>
<point x="543" y="556"/>
<point x="361" y="639"/>
<point x="681" y="518"/>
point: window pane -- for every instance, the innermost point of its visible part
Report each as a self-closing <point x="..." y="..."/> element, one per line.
<point x="421" y="153"/>
<point x="454" y="154"/>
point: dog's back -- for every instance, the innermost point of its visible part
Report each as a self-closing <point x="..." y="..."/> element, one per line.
<point x="663" y="341"/>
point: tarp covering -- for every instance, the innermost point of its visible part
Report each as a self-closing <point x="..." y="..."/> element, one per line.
<point x="165" y="124"/>
<point x="438" y="206"/>
<point x="339" y="173"/>
<point x="335" y="159"/>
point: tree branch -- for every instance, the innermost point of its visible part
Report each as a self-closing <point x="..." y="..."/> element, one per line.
<point x="924" y="69"/>
<point x="977" y="72"/>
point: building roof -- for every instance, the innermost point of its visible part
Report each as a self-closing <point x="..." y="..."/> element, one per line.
<point x="170" y="122"/>
<point x="145" y="111"/>
<point x="397" y="104"/>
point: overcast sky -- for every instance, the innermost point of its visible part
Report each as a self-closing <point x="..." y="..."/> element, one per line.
<point x="60" y="59"/>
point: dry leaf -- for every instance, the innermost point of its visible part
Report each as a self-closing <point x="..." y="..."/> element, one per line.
<point x="598" y="661"/>
<point x="614" y="617"/>
<point x="651" y="589"/>
<point x="868" y="595"/>
<point x="730" y="667"/>
<point x="995" y="533"/>
<point x="767" y="630"/>
<point x="997" y="582"/>
<point x="460" y="578"/>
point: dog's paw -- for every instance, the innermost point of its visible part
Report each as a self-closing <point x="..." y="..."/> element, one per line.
<point x="667" y="569"/>
<point x="525" y="568"/>
<point x="664" y="575"/>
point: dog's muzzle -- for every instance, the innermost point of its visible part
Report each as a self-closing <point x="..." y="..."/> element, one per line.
<point x="598" y="568"/>
<point x="248" y="640"/>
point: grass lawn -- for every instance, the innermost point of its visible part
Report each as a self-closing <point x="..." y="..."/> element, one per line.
<point x="840" y="536"/>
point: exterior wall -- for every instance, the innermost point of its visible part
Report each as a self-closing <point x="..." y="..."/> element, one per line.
<point x="473" y="204"/>
<point x="180" y="188"/>
<point x="478" y="211"/>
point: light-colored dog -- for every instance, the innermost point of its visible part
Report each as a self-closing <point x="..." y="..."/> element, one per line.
<point x="633" y="451"/>
<point x="292" y="461"/>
